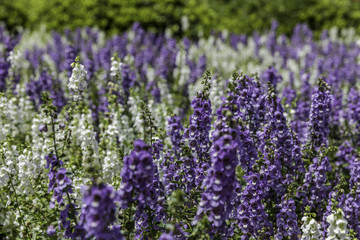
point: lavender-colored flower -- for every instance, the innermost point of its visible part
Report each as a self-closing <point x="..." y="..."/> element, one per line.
<point x="318" y="124"/>
<point x="35" y="88"/>
<point x="166" y="61"/>
<point x="236" y="39"/>
<point x="4" y="71"/>
<point x="220" y="180"/>
<point x="140" y="183"/>
<point x="166" y="236"/>
<point x="277" y="147"/>
<point x="271" y="41"/>
<point x="60" y="184"/>
<point x="53" y="163"/>
<point x="302" y="34"/>
<point x="174" y="132"/>
<point x="247" y="150"/>
<point x="34" y="56"/>
<point x="43" y="128"/>
<point x="51" y="230"/>
<point x="63" y="185"/>
<point x="351" y="206"/>
<point x="302" y="111"/>
<point x="200" y="125"/>
<point x="286" y="220"/>
<point x="70" y="55"/>
<point x="289" y="92"/>
<point x="137" y="173"/>
<point x="252" y="102"/>
<point x="314" y="189"/>
<point x="98" y="212"/>
<point x="251" y="215"/>
<point x="271" y="75"/>
<point x="353" y="115"/>
<point x="175" y="234"/>
<point x="196" y="68"/>
<point x="73" y="232"/>
<point x="157" y="149"/>
<point x="56" y="52"/>
<point x="128" y="79"/>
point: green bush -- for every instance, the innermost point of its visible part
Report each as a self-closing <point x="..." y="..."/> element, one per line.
<point x="240" y="16"/>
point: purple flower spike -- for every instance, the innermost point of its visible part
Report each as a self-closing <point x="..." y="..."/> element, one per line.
<point x="51" y="230"/>
<point x="98" y="213"/>
<point x="318" y="124"/>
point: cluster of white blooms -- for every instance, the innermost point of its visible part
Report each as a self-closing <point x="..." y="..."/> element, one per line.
<point x="182" y="72"/>
<point x="15" y="116"/>
<point x="337" y="229"/>
<point x="8" y="160"/>
<point x="126" y="133"/>
<point x="4" y="118"/>
<point x="84" y="135"/>
<point x="135" y="110"/>
<point x="111" y="164"/>
<point x="42" y="145"/>
<point x="115" y="68"/>
<point x="77" y="81"/>
<point x="310" y="229"/>
<point x="15" y="59"/>
<point x="29" y="170"/>
<point x="216" y="91"/>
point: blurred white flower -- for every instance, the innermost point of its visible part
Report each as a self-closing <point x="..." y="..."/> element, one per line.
<point x="77" y="81"/>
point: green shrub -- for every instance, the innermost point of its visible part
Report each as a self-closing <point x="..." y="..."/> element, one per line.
<point x="240" y="16"/>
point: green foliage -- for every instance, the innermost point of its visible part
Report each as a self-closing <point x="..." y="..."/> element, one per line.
<point x="244" y="16"/>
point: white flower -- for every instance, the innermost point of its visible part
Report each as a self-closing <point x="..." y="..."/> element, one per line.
<point x="337" y="229"/>
<point x="77" y="81"/>
<point x="310" y="229"/>
<point x="115" y="67"/>
<point x="14" y="59"/>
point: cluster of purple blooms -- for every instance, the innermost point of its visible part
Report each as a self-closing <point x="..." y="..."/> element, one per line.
<point x="247" y="170"/>
<point x="220" y="180"/>
<point x="60" y="184"/>
<point x="98" y="213"/>
<point x="140" y="186"/>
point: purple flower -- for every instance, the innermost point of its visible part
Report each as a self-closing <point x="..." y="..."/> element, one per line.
<point x="51" y="230"/>
<point x="251" y="100"/>
<point x="277" y="147"/>
<point x="286" y="220"/>
<point x="271" y="75"/>
<point x="319" y="118"/>
<point x="45" y="83"/>
<point x="4" y="71"/>
<point x="251" y="214"/>
<point x="141" y="184"/>
<point x="43" y="128"/>
<point x="353" y="114"/>
<point x="166" y="236"/>
<point x="60" y="184"/>
<point x="128" y="79"/>
<point x="200" y="125"/>
<point x="314" y="189"/>
<point x="70" y="54"/>
<point x="174" y="131"/>
<point x="220" y="180"/>
<point x="271" y="41"/>
<point x="351" y="206"/>
<point x="302" y="111"/>
<point x="62" y="180"/>
<point x="98" y="213"/>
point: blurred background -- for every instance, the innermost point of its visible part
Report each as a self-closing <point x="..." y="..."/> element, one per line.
<point x="192" y="18"/>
